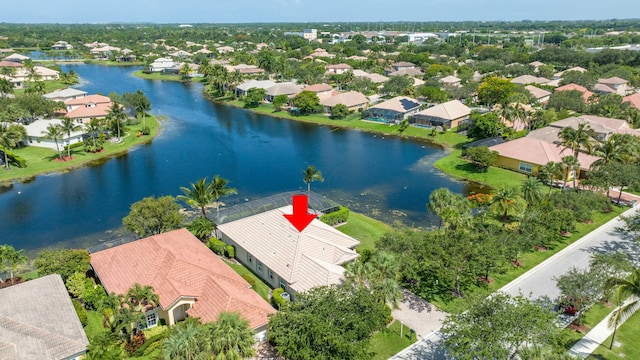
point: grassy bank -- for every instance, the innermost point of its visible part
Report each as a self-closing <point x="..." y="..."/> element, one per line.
<point x="42" y="160"/>
<point x="112" y="63"/>
<point x="49" y="86"/>
<point x="389" y="342"/>
<point x="160" y="76"/>
<point x="364" y="229"/>
<point x="627" y="336"/>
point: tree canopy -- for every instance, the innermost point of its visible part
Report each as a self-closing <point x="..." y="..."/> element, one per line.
<point x="151" y="216"/>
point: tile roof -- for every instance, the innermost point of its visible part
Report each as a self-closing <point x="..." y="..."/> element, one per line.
<point x="95" y="99"/>
<point x="374" y="77"/>
<point x="586" y="94"/>
<point x="178" y="265"/>
<point x="602" y="88"/>
<point x="407" y="71"/>
<point x="304" y="259"/>
<point x="450" y="79"/>
<point x="69" y="92"/>
<point x="537" y="92"/>
<point x="262" y="84"/>
<point x="529" y="79"/>
<point x="81" y="112"/>
<point x="403" y="64"/>
<point x="539" y="152"/>
<point x="633" y="99"/>
<point x="613" y="81"/>
<point x="350" y="99"/>
<point x="598" y="123"/>
<point x="318" y="88"/>
<point x="450" y="110"/>
<point x="38" y="321"/>
<point x="38" y="127"/>
<point x="283" y="89"/>
<point x="400" y="104"/>
<point x="4" y="63"/>
<point x="339" y="66"/>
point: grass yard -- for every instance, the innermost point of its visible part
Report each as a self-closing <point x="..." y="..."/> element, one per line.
<point x="364" y="229"/>
<point x="627" y="336"/>
<point x="261" y="287"/>
<point x="49" y="86"/>
<point x="448" y="139"/>
<point x="590" y="318"/>
<point x="387" y="343"/>
<point x="160" y="76"/>
<point x="41" y="160"/>
<point x="529" y="260"/>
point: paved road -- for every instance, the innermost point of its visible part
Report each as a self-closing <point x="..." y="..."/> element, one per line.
<point x="539" y="280"/>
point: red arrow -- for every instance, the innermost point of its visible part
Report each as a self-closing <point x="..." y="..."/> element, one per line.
<point x="300" y="219"/>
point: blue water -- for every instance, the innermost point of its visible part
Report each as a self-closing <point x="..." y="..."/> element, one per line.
<point x="388" y="178"/>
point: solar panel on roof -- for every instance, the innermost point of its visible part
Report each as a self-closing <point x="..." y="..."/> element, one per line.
<point x="408" y="104"/>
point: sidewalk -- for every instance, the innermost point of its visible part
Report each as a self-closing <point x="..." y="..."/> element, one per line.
<point x="595" y="337"/>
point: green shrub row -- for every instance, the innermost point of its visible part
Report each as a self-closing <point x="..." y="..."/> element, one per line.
<point x="276" y="298"/>
<point x="231" y="251"/>
<point x="250" y="280"/>
<point x="217" y="246"/>
<point x="74" y="145"/>
<point x="15" y="160"/>
<point x="336" y="217"/>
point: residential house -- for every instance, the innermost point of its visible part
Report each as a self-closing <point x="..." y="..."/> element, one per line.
<point x="61" y="45"/>
<point x="613" y="85"/>
<point x="283" y="257"/>
<point x="161" y="65"/>
<point x="536" y="65"/>
<point x="450" y="80"/>
<point x="337" y="69"/>
<point x="224" y="49"/>
<point x="322" y="90"/>
<point x="319" y="52"/>
<point x="65" y="94"/>
<point x="450" y="115"/>
<point x="402" y="65"/>
<point x="541" y="95"/>
<point x="43" y="73"/>
<point x="529" y="79"/>
<point x="245" y="69"/>
<point x="17" y="83"/>
<point x="375" y="78"/>
<point x="241" y="90"/>
<point x="104" y="52"/>
<point x="11" y="64"/>
<point x="83" y="109"/>
<point x="40" y="322"/>
<point x="412" y="72"/>
<point x="394" y="110"/>
<point x="633" y="100"/>
<point x="16" y="58"/>
<point x="603" y="128"/>
<point x="181" y="54"/>
<point x="286" y="88"/>
<point x="527" y="154"/>
<point x="189" y="279"/>
<point x="559" y="74"/>
<point x="36" y="135"/>
<point x="353" y="100"/>
<point x="586" y="94"/>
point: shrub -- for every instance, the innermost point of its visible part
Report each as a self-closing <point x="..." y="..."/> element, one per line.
<point x="81" y="311"/>
<point x="15" y="160"/>
<point x="138" y="340"/>
<point x="248" y="278"/>
<point x="74" y="145"/>
<point x="364" y="114"/>
<point x="276" y="298"/>
<point x="217" y="246"/>
<point x="145" y="130"/>
<point x="340" y="111"/>
<point x="231" y="251"/>
<point x="337" y="217"/>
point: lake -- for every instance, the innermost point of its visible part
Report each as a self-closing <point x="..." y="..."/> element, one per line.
<point x="388" y="178"/>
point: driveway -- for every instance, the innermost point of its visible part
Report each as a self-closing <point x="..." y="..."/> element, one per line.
<point x="419" y="315"/>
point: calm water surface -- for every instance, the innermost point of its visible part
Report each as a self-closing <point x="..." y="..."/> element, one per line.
<point x="387" y="178"/>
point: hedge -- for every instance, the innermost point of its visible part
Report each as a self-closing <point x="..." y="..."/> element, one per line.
<point x="231" y="251"/>
<point x="336" y="217"/>
<point x="250" y="280"/>
<point x="277" y="299"/>
<point x="217" y="246"/>
<point x="74" y="145"/>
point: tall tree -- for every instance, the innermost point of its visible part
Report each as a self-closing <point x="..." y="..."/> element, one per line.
<point x="67" y="127"/>
<point x="55" y="132"/>
<point x="570" y="164"/>
<point x="576" y="139"/>
<point x="220" y="188"/>
<point x="117" y="117"/>
<point x="199" y="195"/>
<point x="311" y="174"/>
<point x="507" y="201"/>
<point x="10" y="137"/>
<point x="497" y="327"/>
<point x="625" y="288"/>
<point x="531" y="189"/>
<point x="231" y="337"/>
<point x="187" y="341"/>
<point x="65" y="262"/>
<point x="151" y="216"/>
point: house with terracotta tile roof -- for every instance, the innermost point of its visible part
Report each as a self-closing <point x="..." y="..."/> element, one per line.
<point x="337" y="68"/>
<point x="394" y="110"/>
<point x="38" y="321"/>
<point x="283" y="257"/>
<point x="633" y="100"/>
<point x="527" y="154"/>
<point x="322" y="90"/>
<point x="586" y="94"/>
<point x="353" y="100"/>
<point x="189" y="279"/>
<point x="450" y="114"/>
<point x="83" y="109"/>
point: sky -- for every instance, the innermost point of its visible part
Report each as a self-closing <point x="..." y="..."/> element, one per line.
<point x="251" y="11"/>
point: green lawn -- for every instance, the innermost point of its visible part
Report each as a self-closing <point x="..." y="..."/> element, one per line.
<point x="529" y="260"/>
<point x="41" y="160"/>
<point x="364" y="229"/>
<point x="627" y="336"/>
<point x="448" y="139"/>
<point x="387" y="343"/>
<point x="94" y="324"/>
<point x="261" y="287"/>
<point x="49" y="86"/>
<point x="160" y="76"/>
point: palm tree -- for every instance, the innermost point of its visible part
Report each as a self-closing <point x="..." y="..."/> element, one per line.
<point x="10" y="136"/>
<point x="141" y="298"/>
<point x="185" y="71"/>
<point x="574" y="139"/>
<point x="550" y="172"/>
<point x="6" y="87"/>
<point x="187" y="341"/>
<point x="14" y="258"/>
<point x="68" y="126"/>
<point x="55" y="132"/>
<point x="570" y="163"/>
<point x="311" y="174"/>
<point x="439" y="200"/>
<point x="199" y="194"/>
<point x="531" y="189"/>
<point x="93" y="128"/>
<point x="220" y="189"/>
<point x="117" y="115"/>
<point x="231" y="337"/>
<point x="507" y="201"/>
<point x="625" y="288"/>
